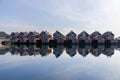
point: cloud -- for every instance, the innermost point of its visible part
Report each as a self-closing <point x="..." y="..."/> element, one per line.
<point x="13" y="25"/>
<point x="77" y="15"/>
<point x="76" y="11"/>
<point x="80" y="12"/>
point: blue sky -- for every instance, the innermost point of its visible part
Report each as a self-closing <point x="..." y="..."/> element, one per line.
<point x="62" y="15"/>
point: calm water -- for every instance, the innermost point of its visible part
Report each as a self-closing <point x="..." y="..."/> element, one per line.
<point x="31" y="63"/>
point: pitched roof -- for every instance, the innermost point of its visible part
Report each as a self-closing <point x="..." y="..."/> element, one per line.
<point x="84" y="32"/>
<point x="109" y="32"/>
<point x="57" y="32"/>
<point x="71" y="32"/>
<point x="96" y="33"/>
<point x="3" y="34"/>
<point x="45" y="32"/>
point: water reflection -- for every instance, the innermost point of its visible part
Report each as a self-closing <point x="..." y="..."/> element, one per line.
<point x="59" y="65"/>
<point x="71" y="50"/>
<point x="58" y="51"/>
<point x="44" y="50"/>
<point x="4" y="49"/>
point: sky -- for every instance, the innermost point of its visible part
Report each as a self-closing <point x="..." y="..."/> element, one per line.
<point x="61" y="15"/>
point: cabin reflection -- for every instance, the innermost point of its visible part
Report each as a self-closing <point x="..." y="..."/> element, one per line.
<point x="58" y="51"/>
<point x="83" y="51"/>
<point x="44" y="50"/>
<point x="4" y="50"/>
<point x="31" y="50"/>
<point x="22" y="50"/>
<point x="14" y="50"/>
<point x="71" y="50"/>
<point x="108" y="52"/>
<point x="96" y="51"/>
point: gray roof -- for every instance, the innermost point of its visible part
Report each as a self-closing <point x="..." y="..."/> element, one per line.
<point x="3" y="34"/>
